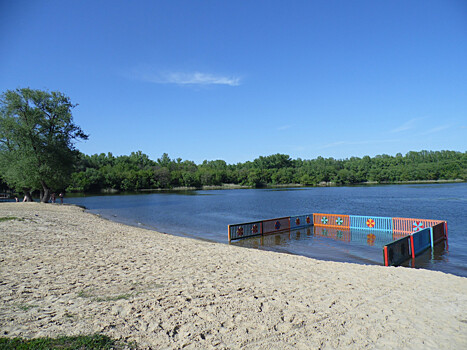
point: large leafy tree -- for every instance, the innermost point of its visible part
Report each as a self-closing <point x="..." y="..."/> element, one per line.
<point x="37" y="137"/>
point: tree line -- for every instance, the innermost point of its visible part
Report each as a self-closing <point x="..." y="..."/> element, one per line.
<point x="38" y="155"/>
<point x="137" y="171"/>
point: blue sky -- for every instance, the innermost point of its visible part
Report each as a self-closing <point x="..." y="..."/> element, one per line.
<point x="234" y="80"/>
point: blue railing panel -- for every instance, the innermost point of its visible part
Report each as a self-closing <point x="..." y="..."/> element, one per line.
<point x="421" y="240"/>
<point x="244" y="230"/>
<point x="301" y="221"/>
<point x="371" y="222"/>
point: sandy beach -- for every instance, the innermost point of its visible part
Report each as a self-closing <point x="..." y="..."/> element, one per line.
<point x="67" y="272"/>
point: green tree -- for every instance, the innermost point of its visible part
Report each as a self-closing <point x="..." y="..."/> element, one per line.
<point x="37" y="136"/>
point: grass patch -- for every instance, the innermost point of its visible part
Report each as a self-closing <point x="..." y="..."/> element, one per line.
<point x="8" y="218"/>
<point x="83" y="294"/>
<point x="26" y="307"/>
<point x="82" y="342"/>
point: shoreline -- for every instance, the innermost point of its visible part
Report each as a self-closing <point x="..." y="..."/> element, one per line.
<point x="278" y="186"/>
<point x="110" y="191"/>
<point x="66" y="271"/>
<point x="291" y="185"/>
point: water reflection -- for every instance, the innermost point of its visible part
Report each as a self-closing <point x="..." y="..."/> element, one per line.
<point x="430" y="257"/>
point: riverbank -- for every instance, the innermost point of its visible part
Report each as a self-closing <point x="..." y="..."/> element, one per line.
<point x="229" y="186"/>
<point x="68" y="272"/>
<point x="290" y="185"/>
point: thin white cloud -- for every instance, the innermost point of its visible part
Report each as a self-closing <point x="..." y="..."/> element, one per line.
<point x="198" y="78"/>
<point x="148" y="74"/>
<point x="283" y="127"/>
<point x="435" y="130"/>
<point x="408" y="125"/>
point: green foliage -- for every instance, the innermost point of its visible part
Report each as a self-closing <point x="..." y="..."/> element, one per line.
<point x="8" y="218"/>
<point x="37" y="137"/>
<point x="137" y="171"/>
<point x="97" y="341"/>
<point x="26" y="307"/>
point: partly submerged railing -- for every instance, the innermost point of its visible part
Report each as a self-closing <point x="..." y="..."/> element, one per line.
<point x="263" y="227"/>
<point x="415" y="243"/>
<point x="411" y="236"/>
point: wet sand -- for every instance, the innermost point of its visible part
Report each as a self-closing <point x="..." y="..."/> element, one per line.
<point x="66" y="272"/>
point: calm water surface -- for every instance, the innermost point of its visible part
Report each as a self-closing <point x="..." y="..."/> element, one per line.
<point x="206" y="214"/>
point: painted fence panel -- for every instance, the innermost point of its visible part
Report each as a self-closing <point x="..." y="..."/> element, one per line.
<point x="421" y="240"/>
<point x="397" y="252"/>
<point x="249" y="229"/>
<point x="371" y="223"/>
<point x="438" y="233"/>
<point x="412" y="225"/>
<point x="276" y="225"/>
<point x="331" y="220"/>
<point x="301" y="221"/>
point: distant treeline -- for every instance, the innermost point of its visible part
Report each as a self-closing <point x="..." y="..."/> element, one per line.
<point x="136" y="171"/>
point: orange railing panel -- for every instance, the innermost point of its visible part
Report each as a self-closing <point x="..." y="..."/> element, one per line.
<point x="331" y="220"/>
